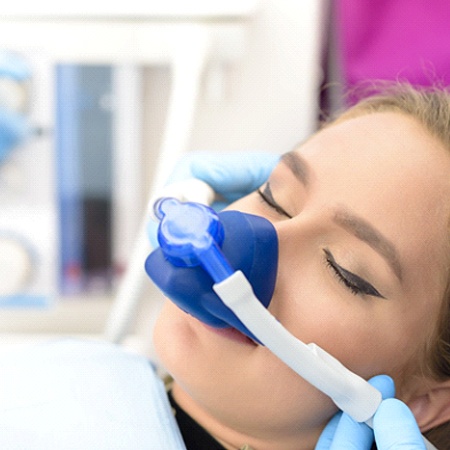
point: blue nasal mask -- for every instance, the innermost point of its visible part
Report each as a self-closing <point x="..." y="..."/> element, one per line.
<point x="199" y="247"/>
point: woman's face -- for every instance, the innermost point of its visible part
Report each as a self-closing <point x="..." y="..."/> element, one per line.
<point x="361" y="212"/>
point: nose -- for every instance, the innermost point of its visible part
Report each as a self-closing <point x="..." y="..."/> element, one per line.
<point x="299" y="239"/>
<point x="297" y="233"/>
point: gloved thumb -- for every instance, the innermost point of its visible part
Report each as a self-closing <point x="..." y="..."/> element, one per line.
<point x="235" y="173"/>
<point x="395" y="427"/>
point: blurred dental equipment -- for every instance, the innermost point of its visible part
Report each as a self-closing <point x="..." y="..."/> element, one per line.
<point x="15" y="74"/>
<point x="195" y="241"/>
<point x="14" y="78"/>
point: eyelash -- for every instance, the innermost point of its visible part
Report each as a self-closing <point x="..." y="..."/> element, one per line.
<point x="352" y="282"/>
<point x="268" y="201"/>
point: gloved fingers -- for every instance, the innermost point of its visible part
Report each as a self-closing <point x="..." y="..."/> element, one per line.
<point x="234" y="173"/>
<point x="396" y="428"/>
<point x="358" y="436"/>
<point x="385" y="384"/>
<point x="343" y="432"/>
<point x="351" y="435"/>
<point x="327" y="436"/>
<point x="182" y="169"/>
<point x="231" y="175"/>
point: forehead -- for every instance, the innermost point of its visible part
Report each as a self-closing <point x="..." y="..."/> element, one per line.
<point x="390" y="170"/>
<point x="383" y="135"/>
<point x="384" y="149"/>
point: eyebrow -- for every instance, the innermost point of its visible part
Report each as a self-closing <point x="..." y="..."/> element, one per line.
<point x="298" y="166"/>
<point x="352" y="223"/>
<point x="366" y="232"/>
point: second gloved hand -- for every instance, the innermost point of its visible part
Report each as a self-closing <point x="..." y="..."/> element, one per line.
<point x="230" y="175"/>
<point x="395" y="427"/>
<point x="233" y="175"/>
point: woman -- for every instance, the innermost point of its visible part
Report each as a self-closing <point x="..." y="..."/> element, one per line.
<point x="362" y="215"/>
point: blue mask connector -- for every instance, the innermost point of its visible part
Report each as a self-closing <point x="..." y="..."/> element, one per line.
<point x="190" y="235"/>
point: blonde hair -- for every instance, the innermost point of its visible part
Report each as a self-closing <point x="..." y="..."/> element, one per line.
<point x="431" y="107"/>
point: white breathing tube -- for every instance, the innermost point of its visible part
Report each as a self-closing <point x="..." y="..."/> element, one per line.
<point x="350" y="392"/>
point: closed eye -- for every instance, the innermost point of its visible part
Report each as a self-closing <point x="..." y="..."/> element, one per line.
<point x="355" y="284"/>
<point x="267" y="197"/>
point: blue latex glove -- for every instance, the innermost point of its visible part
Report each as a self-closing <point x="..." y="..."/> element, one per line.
<point x="394" y="426"/>
<point x="231" y="175"/>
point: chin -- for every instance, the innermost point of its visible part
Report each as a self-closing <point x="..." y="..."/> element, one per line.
<point x="225" y="376"/>
<point x="183" y="344"/>
<point x="197" y="356"/>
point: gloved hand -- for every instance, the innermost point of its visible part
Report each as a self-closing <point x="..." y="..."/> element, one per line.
<point x="394" y="426"/>
<point x="231" y="175"/>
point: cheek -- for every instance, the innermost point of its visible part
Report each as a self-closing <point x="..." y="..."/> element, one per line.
<point x="366" y="335"/>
